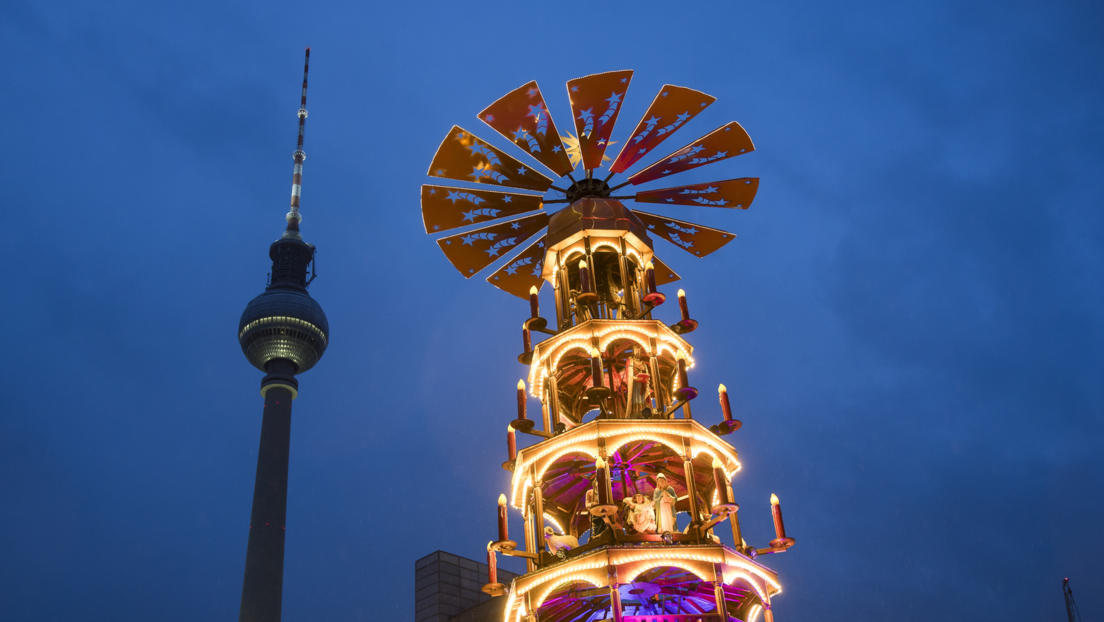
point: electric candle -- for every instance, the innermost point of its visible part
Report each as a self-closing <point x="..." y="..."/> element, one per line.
<point x="492" y="564"/>
<point x="511" y="443"/>
<point x="681" y="358"/>
<point x="721" y="482"/>
<point x="602" y="481"/>
<point x="726" y="408"/>
<point x="534" y="304"/>
<point x="521" y="399"/>
<point x="527" y="339"/>
<point x="503" y="531"/>
<point x="682" y="305"/>
<point x="776" y="512"/>
<point x="584" y="277"/>
<point x="649" y="277"/>
<point x="596" y="367"/>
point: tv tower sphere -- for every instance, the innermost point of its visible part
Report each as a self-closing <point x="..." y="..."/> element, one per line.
<point x="285" y="322"/>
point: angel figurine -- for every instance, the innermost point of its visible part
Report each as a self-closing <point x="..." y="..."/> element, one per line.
<point x="639" y="389"/>
<point x="664" y="499"/>
<point x="640" y="514"/>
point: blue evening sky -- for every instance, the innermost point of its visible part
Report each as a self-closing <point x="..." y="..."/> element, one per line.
<point x="909" y="323"/>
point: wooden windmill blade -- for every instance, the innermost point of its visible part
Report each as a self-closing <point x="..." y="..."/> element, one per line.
<point x="595" y="103"/>
<point x="730" y="193"/>
<point x="698" y="240"/>
<point x="472" y="251"/>
<point x="727" y="141"/>
<point x="464" y="156"/>
<point x="523" y="118"/>
<point x="450" y="207"/>
<point x="523" y="272"/>
<point x="672" y="108"/>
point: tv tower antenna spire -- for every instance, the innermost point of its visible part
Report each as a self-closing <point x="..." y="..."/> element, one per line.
<point x="293" y="216"/>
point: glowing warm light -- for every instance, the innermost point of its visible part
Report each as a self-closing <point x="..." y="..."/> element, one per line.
<point x="533" y="290"/>
<point x="502" y="499"/>
<point x="754" y="614"/>
<point x="680" y="355"/>
<point x="594" y="353"/>
<point x="582" y="264"/>
<point x="774" y="499"/>
<point x="722" y="389"/>
<point x="521" y="385"/>
<point x="650" y="266"/>
<point x="555" y="523"/>
<point x="717" y="463"/>
<point x="681" y="294"/>
<point x="600" y="463"/>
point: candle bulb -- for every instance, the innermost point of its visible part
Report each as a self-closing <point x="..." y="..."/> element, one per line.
<point x="682" y="305"/>
<point x="521" y="399"/>
<point x="503" y="530"/>
<point x="776" y="512"/>
<point x="681" y="359"/>
<point x="651" y="296"/>
<point x="602" y="480"/>
<point x="492" y="564"/>
<point x="511" y="443"/>
<point x="721" y="482"/>
<point x="726" y="408"/>
<point x="534" y="303"/>
<point x="596" y="367"/>
<point x="527" y="339"/>
<point x="584" y="277"/>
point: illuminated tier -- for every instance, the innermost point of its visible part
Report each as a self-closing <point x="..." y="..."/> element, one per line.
<point x="707" y="582"/>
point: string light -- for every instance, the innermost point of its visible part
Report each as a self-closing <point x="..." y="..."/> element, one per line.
<point x="673" y="564"/>
<point x="754" y="613"/>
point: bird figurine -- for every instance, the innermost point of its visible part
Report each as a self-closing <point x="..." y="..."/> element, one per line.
<point x="557" y="543"/>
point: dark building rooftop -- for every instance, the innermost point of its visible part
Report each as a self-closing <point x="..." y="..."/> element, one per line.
<point x="449" y="588"/>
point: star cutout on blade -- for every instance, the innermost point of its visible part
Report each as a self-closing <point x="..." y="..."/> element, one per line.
<point x="703" y="104"/>
<point x="643" y="150"/>
<point x="516" y="226"/>
<point x="511" y="269"/>
<point x="467" y="239"/>
<point x="507" y="199"/>
<point x="614" y="98"/>
<point x="670" y="200"/>
<point x="453" y="196"/>
<point x="709" y="190"/>
<point x="654" y="120"/>
<point x="436" y="227"/>
<point x="440" y="172"/>
<point x="490" y="118"/>
<point x="470" y="215"/>
<point x="520" y="134"/>
<point x="522" y="170"/>
<point x="532" y="92"/>
<point x="556" y="149"/>
<point x="433" y="191"/>
<point x="574" y="89"/>
<point x="665" y="94"/>
<point x="624" y="80"/>
<point x="683" y="117"/>
<point x="601" y="142"/>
